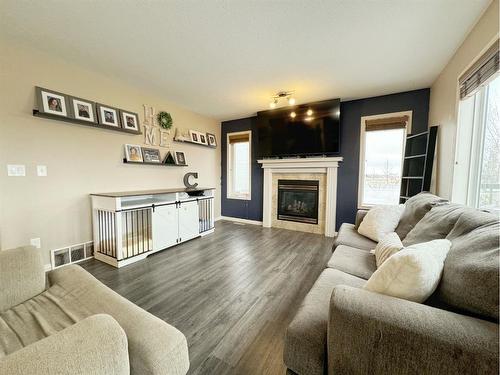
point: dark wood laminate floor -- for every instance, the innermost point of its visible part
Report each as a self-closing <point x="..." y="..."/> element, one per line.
<point x="231" y="293"/>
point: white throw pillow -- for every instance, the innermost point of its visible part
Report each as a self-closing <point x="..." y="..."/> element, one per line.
<point x="380" y="221"/>
<point x="412" y="273"/>
<point x="389" y="244"/>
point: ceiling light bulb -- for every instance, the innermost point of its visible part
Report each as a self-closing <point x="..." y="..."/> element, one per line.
<point x="272" y="104"/>
<point x="293" y="114"/>
<point x="291" y="100"/>
<point x="309" y="112"/>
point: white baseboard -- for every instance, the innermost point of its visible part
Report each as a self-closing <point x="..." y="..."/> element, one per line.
<point x="238" y="220"/>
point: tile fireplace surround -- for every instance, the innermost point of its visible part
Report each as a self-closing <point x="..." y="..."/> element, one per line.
<point x="322" y="169"/>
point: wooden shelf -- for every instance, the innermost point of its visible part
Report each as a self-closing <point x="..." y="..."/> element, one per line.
<point x="194" y="143"/>
<point x="125" y="161"/>
<point x="94" y="125"/>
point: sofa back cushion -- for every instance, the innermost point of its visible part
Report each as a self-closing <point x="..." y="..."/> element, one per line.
<point x="436" y="224"/>
<point x="471" y="269"/>
<point x="415" y="209"/>
<point x="21" y="276"/>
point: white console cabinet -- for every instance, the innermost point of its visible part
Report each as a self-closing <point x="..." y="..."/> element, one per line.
<point x="129" y="226"/>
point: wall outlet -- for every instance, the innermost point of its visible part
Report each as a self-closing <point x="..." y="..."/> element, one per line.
<point x="16" y="170"/>
<point x="36" y="242"/>
<point x="41" y="170"/>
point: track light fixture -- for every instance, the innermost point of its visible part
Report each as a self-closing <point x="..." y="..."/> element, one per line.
<point x="287" y="95"/>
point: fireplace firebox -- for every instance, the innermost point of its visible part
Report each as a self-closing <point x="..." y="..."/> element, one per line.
<point x="298" y="200"/>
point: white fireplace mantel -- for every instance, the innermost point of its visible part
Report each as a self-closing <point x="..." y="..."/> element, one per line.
<point x="327" y="165"/>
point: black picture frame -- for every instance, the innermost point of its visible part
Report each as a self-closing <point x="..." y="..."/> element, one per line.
<point x="151" y="155"/>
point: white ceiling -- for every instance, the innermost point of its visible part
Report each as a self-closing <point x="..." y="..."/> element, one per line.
<point x="226" y="58"/>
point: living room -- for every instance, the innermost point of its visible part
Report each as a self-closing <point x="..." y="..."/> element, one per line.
<point x="249" y="187"/>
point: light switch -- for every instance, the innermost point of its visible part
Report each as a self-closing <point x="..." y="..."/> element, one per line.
<point x="36" y="242"/>
<point x="41" y="170"/>
<point x="16" y="170"/>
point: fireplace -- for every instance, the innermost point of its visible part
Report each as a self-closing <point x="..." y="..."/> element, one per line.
<point x="298" y="201"/>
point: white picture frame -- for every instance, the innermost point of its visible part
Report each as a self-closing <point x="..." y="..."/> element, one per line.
<point x="203" y="138"/>
<point x="53" y="103"/>
<point x="194" y="136"/>
<point x="180" y="158"/>
<point x="133" y="153"/>
<point x="83" y="110"/>
<point x="108" y="115"/>
<point x="130" y="120"/>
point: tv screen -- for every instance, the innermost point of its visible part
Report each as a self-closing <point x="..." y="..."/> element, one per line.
<point x="314" y="129"/>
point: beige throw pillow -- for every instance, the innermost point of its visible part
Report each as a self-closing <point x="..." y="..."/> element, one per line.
<point x="412" y="273"/>
<point x="380" y="221"/>
<point x="390" y="244"/>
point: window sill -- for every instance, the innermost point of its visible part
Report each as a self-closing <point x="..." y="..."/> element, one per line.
<point x="241" y="198"/>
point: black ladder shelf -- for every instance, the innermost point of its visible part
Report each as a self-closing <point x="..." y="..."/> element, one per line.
<point x="417" y="164"/>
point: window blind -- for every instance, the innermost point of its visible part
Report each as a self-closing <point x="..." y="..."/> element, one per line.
<point x="238" y="138"/>
<point x="484" y="68"/>
<point x="387" y="123"/>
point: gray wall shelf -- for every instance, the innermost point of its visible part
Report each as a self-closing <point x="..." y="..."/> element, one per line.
<point x="69" y="120"/>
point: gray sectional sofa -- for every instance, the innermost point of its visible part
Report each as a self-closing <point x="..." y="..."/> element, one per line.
<point x="340" y="328"/>
<point x="77" y="325"/>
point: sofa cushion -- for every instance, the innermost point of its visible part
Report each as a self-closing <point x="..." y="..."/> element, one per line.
<point x="349" y="236"/>
<point x="415" y="209"/>
<point x="436" y="224"/>
<point x="305" y="339"/>
<point x="356" y="262"/>
<point x="471" y="270"/>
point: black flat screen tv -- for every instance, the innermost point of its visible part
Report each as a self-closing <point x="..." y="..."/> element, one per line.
<point x="316" y="132"/>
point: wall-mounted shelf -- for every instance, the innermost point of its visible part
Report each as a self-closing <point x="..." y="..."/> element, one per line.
<point x="194" y="143"/>
<point x="69" y="120"/>
<point x="125" y="161"/>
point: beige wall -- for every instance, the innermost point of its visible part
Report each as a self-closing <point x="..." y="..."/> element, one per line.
<point x="444" y="95"/>
<point x="80" y="160"/>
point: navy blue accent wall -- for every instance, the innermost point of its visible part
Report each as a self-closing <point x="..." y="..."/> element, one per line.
<point x="243" y="209"/>
<point x="350" y="123"/>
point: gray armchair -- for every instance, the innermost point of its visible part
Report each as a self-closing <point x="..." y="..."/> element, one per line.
<point x="77" y="325"/>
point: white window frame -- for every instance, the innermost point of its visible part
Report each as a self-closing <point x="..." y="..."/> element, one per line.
<point x="470" y="136"/>
<point x="362" y="143"/>
<point x="229" y="183"/>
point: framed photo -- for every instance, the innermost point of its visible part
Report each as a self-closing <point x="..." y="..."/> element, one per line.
<point x="151" y="155"/>
<point x="108" y="115"/>
<point x="180" y="158"/>
<point x="203" y="138"/>
<point x="52" y="102"/>
<point x="195" y="136"/>
<point x="83" y="109"/>
<point x="212" y="141"/>
<point x="133" y="153"/>
<point x="130" y="121"/>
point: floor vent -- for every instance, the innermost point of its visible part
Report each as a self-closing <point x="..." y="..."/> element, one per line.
<point x="71" y="254"/>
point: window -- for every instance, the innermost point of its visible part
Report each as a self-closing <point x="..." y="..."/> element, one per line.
<point x="381" y="158"/>
<point x="239" y="165"/>
<point x="476" y="177"/>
